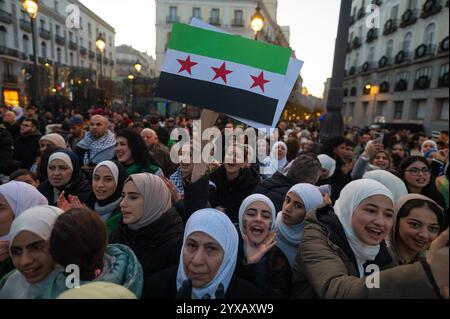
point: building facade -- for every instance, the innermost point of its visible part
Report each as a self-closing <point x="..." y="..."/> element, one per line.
<point x="126" y="58"/>
<point x="66" y="32"/>
<point x="233" y="16"/>
<point x="399" y="71"/>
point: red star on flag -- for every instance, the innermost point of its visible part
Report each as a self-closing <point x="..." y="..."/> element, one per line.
<point x="221" y="72"/>
<point x="186" y="65"/>
<point x="259" y="81"/>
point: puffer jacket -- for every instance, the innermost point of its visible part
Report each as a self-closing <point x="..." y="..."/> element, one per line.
<point x="326" y="267"/>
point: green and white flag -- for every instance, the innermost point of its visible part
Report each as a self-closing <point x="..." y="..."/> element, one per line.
<point x="226" y="73"/>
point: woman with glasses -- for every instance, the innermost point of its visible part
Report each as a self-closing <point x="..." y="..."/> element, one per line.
<point x="416" y="173"/>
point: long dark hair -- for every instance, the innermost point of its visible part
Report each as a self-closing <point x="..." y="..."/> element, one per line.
<point x="136" y="144"/>
<point x="429" y="190"/>
<point x="418" y="203"/>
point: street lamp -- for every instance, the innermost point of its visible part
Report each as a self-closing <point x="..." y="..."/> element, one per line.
<point x="31" y="7"/>
<point x="100" y="44"/>
<point x="138" y="66"/>
<point x="131" y="78"/>
<point x="257" y="22"/>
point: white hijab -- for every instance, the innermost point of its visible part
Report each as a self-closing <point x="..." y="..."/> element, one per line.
<point x="392" y="182"/>
<point x="39" y="220"/>
<point x="328" y="163"/>
<point x="290" y="236"/>
<point x="21" y="196"/>
<point x="351" y="196"/>
<point x="217" y="225"/>
<point x="275" y="163"/>
<point x="250" y="200"/>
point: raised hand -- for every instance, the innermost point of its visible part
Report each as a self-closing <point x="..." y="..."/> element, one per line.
<point x="176" y="197"/>
<point x="253" y="253"/>
<point x="63" y="203"/>
<point x="438" y="259"/>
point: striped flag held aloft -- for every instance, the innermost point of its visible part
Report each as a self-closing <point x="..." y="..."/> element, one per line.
<point x="226" y="73"/>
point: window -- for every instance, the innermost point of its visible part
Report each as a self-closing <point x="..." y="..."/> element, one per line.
<point x="43" y="24"/>
<point x="71" y="58"/>
<point x="58" y="55"/>
<point x="90" y="46"/>
<point x="3" y="41"/>
<point x="356" y="61"/>
<point x="444" y="69"/>
<point x="418" y="109"/>
<point x="398" y="110"/>
<point x="412" y="4"/>
<point x="56" y="6"/>
<point x="82" y="63"/>
<point x="44" y="50"/>
<point x="406" y="45"/>
<point x="371" y="56"/>
<point x="365" y="107"/>
<point x="379" y="111"/>
<point x="351" y="109"/>
<point x="173" y="12"/>
<point x="7" y="68"/>
<point x="26" y="44"/>
<point x="360" y="32"/>
<point x="394" y="12"/>
<point x="110" y="41"/>
<point x="89" y="30"/>
<point x="402" y="76"/>
<point x="351" y="37"/>
<point x="423" y="72"/>
<point x="197" y="13"/>
<point x="215" y="13"/>
<point x="70" y="36"/>
<point x="238" y="15"/>
<point x="390" y="48"/>
<point x="428" y="37"/>
<point x="81" y="41"/>
<point x="443" y="109"/>
<point x="57" y="29"/>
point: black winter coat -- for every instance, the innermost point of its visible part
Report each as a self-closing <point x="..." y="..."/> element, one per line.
<point x="81" y="188"/>
<point x="230" y="194"/>
<point x="158" y="245"/>
<point x="275" y="188"/>
<point x="163" y="285"/>
<point x="26" y="150"/>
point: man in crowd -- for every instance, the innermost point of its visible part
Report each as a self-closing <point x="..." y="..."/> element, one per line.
<point x="9" y="119"/>
<point x="159" y="151"/>
<point x="26" y="146"/>
<point x="77" y="132"/>
<point x="98" y="144"/>
<point x="163" y="135"/>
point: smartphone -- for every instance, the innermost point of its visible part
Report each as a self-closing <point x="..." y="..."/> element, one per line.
<point x="325" y="189"/>
<point x="378" y="137"/>
<point x="436" y="135"/>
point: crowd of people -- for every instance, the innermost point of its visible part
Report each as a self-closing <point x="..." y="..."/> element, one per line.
<point x="309" y="218"/>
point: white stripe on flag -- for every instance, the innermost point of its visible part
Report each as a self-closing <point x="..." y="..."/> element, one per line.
<point x="240" y="78"/>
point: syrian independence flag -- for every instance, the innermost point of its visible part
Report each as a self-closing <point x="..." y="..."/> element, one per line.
<point x="225" y="73"/>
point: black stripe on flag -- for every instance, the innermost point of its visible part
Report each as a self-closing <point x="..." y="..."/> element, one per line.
<point x="219" y="98"/>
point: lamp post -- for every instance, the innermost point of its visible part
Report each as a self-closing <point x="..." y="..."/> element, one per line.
<point x="138" y="66"/>
<point x="257" y="22"/>
<point x="100" y="44"/>
<point x="131" y="78"/>
<point x="31" y="7"/>
<point x="373" y="91"/>
<point x="333" y="124"/>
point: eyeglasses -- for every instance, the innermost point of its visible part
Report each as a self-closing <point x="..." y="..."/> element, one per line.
<point x="416" y="171"/>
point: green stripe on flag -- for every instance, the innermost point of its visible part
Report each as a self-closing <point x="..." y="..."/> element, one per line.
<point x="229" y="48"/>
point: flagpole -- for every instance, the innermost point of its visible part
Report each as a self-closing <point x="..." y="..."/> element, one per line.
<point x="333" y="124"/>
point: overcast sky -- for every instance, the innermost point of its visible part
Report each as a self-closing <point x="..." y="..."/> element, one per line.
<point x="313" y="26"/>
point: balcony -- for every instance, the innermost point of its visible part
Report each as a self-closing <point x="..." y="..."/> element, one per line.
<point x="402" y="57"/>
<point x="44" y="34"/>
<point x="238" y="23"/>
<point x="352" y="71"/>
<point x="390" y="26"/>
<point x="199" y="18"/>
<point x="361" y="13"/>
<point x="443" y="81"/>
<point x="384" y="87"/>
<point x="409" y="17"/>
<point x="10" y="78"/>
<point x="384" y="61"/>
<point x="73" y="45"/>
<point x="25" y="25"/>
<point x="425" y="50"/>
<point x="60" y="40"/>
<point x="356" y="43"/>
<point x="401" y="85"/>
<point x="349" y="47"/>
<point x="214" y="21"/>
<point x="372" y="35"/>
<point x="5" y="17"/>
<point x="422" y="83"/>
<point x="105" y="61"/>
<point x="443" y="46"/>
<point x="367" y="66"/>
<point x="430" y="8"/>
<point x="172" y="19"/>
<point x="377" y="2"/>
<point x="353" y="91"/>
<point x="83" y="50"/>
<point x="12" y="52"/>
<point x="91" y="55"/>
